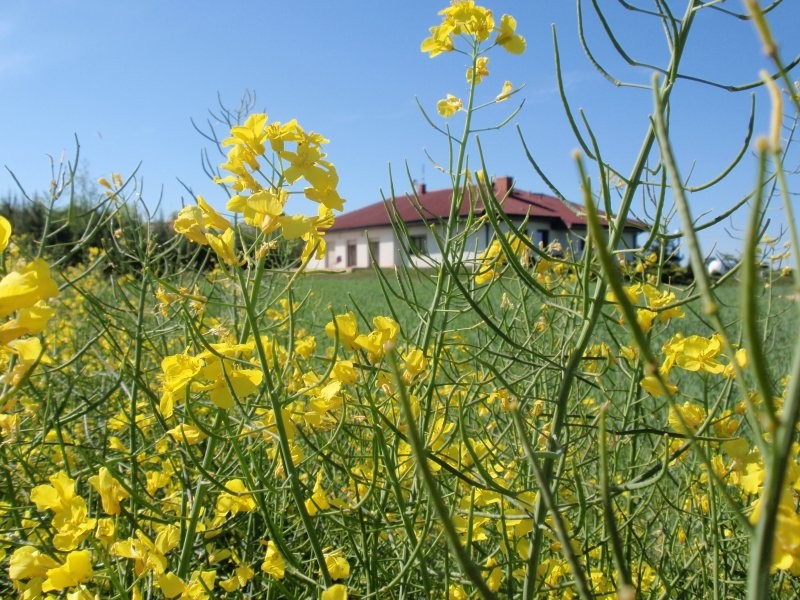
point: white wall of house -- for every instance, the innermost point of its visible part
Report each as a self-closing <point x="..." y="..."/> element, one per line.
<point x="349" y="249"/>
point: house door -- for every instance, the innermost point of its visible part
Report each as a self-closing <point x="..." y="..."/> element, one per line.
<point x="375" y="253"/>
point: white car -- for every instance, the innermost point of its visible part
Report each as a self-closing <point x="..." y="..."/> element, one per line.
<point x="719" y="266"/>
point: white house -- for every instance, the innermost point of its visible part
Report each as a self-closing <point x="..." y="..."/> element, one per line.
<point x="353" y="234"/>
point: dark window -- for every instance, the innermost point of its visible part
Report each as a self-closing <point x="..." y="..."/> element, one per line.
<point x="375" y="252"/>
<point x="419" y="244"/>
<point x="542" y="237"/>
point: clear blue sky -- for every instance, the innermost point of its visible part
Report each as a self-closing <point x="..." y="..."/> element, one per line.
<point x="127" y="77"/>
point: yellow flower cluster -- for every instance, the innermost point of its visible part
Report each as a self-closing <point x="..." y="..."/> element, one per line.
<point x="491" y="261"/>
<point x="23" y="292"/>
<point x="217" y="371"/>
<point x="300" y="156"/>
<point x="464" y="17"/>
<point x="655" y="305"/>
<point x="262" y="203"/>
<point x="693" y="353"/>
<point x="33" y="571"/>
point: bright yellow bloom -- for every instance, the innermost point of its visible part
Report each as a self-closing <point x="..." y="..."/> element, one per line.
<point x="319" y="497"/>
<point x="740" y="358"/>
<point x="260" y="209"/>
<point x="57" y="496"/>
<point x="27" y="321"/>
<point x="224" y="246"/>
<point x="72" y="525"/>
<point x="337" y="564"/>
<point x="186" y="433"/>
<point x="110" y="490"/>
<point x="26" y="286"/>
<point x="5" y="232"/>
<point x="27" y="562"/>
<point x="344" y="372"/>
<point x="449" y="106"/>
<point x="148" y="555"/>
<point x="236" y="498"/>
<point x="171" y="585"/>
<point x="326" y="195"/>
<point x="76" y="569"/>
<point x="345" y="327"/>
<point x="651" y="386"/>
<point x="696" y="353"/>
<point x="495" y="577"/>
<point x="456" y="592"/>
<point x="197" y="222"/>
<point x="273" y="564"/>
<point x="464" y="17"/>
<point x="481" y="70"/>
<point x="336" y="592"/>
<point x="439" y="42"/>
<point x="688" y="415"/>
<point x="505" y="93"/>
<point x="414" y="363"/>
<point x="379" y="341"/>
<point x="240" y="578"/>
<point x="507" y="36"/>
<point x="250" y="135"/>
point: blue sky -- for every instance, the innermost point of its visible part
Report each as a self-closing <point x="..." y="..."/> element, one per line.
<point x="127" y="77"/>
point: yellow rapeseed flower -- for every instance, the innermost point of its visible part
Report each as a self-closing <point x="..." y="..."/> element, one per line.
<point x="273" y="564"/>
<point x="449" y="106"/>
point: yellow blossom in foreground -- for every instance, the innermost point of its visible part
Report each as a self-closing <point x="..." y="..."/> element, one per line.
<point x="148" y="555"/>
<point x="28" y="562"/>
<point x="696" y="353"/>
<point x="224" y="246"/>
<point x="449" y="105"/>
<point x="651" y="386"/>
<point x="5" y="233"/>
<point x="171" y="585"/>
<point x="25" y="286"/>
<point x="336" y="592"/>
<point x="688" y="415"/>
<point x="337" y="564"/>
<point x="110" y="490"/>
<point x="77" y="569"/>
<point x="57" y="496"/>
<point x="345" y="327"/>
<point x="507" y="36"/>
<point x="240" y="578"/>
<point x="196" y="222"/>
<point x="480" y="71"/>
<point x="186" y="433"/>
<point x="319" y="498"/>
<point x="495" y="576"/>
<point x="273" y="564"/>
<point x="236" y="498"/>
<point x="505" y="93"/>
<point x="456" y="592"/>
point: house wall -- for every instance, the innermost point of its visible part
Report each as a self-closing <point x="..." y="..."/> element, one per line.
<point x="336" y="258"/>
<point x="390" y="253"/>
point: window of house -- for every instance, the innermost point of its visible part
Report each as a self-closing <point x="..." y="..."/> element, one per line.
<point x="375" y="252"/>
<point x="542" y="237"/>
<point x="351" y="254"/>
<point x="419" y="244"/>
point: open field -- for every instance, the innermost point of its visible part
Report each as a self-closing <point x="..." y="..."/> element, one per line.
<point x="186" y="413"/>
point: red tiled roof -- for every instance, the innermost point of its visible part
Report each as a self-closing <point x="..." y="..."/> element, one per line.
<point x="435" y="205"/>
